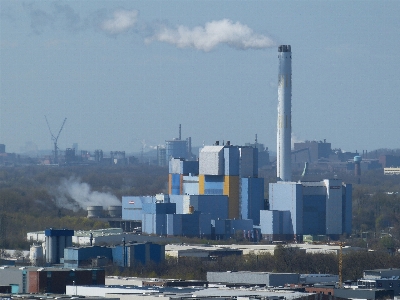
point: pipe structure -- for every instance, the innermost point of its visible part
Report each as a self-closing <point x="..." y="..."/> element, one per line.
<point x="284" y="132"/>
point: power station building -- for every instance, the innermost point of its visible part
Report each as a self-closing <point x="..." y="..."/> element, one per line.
<point x="307" y="208"/>
<point x="204" y="195"/>
<point x="220" y="194"/>
<point x="301" y="208"/>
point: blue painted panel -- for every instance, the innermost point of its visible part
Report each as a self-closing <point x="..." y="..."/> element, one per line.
<point x="213" y="184"/>
<point x="314" y="214"/>
<point x="252" y="198"/>
<point x="231" y="161"/>
<point x="190" y="167"/>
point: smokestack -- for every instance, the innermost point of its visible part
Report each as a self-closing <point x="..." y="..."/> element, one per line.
<point x="284" y="168"/>
<point x="180" y="132"/>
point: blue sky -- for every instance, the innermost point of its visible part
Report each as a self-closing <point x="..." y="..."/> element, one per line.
<point x="125" y="73"/>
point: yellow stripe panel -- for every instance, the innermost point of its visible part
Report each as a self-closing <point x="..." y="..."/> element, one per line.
<point x="231" y="189"/>
<point x="201" y="184"/>
<point x="169" y="184"/>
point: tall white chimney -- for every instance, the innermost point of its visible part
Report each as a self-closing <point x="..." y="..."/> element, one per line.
<point x="284" y="168"/>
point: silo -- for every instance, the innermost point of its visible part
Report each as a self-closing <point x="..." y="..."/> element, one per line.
<point x="56" y="241"/>
<point x="115" y="211"/>
<point x="95" y="211"/>
<point x="36" y="254"/>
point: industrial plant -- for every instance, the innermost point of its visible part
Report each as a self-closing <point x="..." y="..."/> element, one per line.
<point x="220" y="194"/>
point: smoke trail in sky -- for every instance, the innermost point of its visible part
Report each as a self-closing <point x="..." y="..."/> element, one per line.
<point x="74" y="194"/>
<point x="121" y="21"/>
<point x="235" y="35"/>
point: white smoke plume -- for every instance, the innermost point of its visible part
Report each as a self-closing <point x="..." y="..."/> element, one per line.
<point x="74" y="194"/>
<point x="121" y="21"/>
<point x="235" y="35"/>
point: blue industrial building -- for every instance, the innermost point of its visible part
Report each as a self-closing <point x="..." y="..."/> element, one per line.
<point x="221" y="185"/>
<point x="125" y="255"/>
<point x="307" y="208"/>
<point x="139" y="253"/>
<point x="56" y="241"/>
<point x="82" y="257"/>
<point x="221" y="194"/>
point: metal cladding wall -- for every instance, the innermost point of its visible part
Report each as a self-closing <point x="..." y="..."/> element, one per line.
<point x="165" y="208"/>
<point x="176" y="149"/>
<point x="54" y="281"/>
<point x="190" y="225"/>
<point x="284" y="169"/>
<point x="77" y="257"/>
<point x="229" y="227"/>
<point x="288" y="196"/>
<point x="56" y="241"/>
<point x="201" y="184"/>
<point x="347" y="208"/>
<point x="190" y="185"/>
<point x="159" y="208"/>
<point x="231" y="189"/>
<point x="261" y="278"/>
<point x="214" y="205"/>
<point x="174" y="224"/>
<point x="178" y="200"/>
<point x="132" y="206"/>
<point x="248" y="162"/>
<point x="157" y="252"/>
<point x="149" y="223"/>
<point x="205" y="225"/>
<point x="251" y="198"/>
<point x="185" y="225"/>
<point x="213" y="184"/>
<point x="181" y="166"/>
<point x="333" y="206"/>
<point x="211" y="160"/>
<point x="231" y="160"/>
<point x="176" y="184"/>
<point x="175" y="165"/>
<point x="190" y="167"/>
<point x="314" y="214"/>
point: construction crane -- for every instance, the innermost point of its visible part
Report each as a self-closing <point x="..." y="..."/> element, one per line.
<point x="55" y="139"/>
<point x="341" y="264"/>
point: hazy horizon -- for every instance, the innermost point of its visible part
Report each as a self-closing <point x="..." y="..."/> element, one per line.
<point x="127" y="73"/>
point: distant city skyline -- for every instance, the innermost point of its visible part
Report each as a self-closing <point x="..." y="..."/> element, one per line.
<point x="127" y="73"/>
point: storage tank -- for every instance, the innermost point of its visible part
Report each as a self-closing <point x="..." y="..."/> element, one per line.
<point x="115" y="211"/>
<point x="36" y="255"/>
<point x="95" y="211"/>
<point x="56" y="241"/>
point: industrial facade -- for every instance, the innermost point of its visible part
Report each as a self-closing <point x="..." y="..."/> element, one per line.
<point x="48" y="280"/>
<point x="124" y="255"/>
<point x="295" y="208"/>
<point x="301" y="208"/>
<point x="222" y="185"/>
<point x="255" y="278"/>
<point x="307" y="208"/>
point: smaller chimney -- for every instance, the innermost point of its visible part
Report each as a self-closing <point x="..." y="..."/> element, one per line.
<point x="216" y="143"/>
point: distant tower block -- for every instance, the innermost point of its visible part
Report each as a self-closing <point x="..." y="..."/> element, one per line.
<point x="284" y="168"/>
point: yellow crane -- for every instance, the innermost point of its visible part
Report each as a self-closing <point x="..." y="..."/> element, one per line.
<point x="341" y="264"/>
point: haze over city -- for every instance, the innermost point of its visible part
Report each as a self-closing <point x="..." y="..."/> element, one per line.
<point x="127" y="73"/>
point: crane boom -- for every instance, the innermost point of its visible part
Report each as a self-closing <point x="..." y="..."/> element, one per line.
<point x="55" y="138"/>
<point x="61" y="128"/>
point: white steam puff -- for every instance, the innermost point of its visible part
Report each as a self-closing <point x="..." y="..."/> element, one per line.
<point x="82" y="195"/>
<point x="235" y="35"/>
<point x="122" y="21"/>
